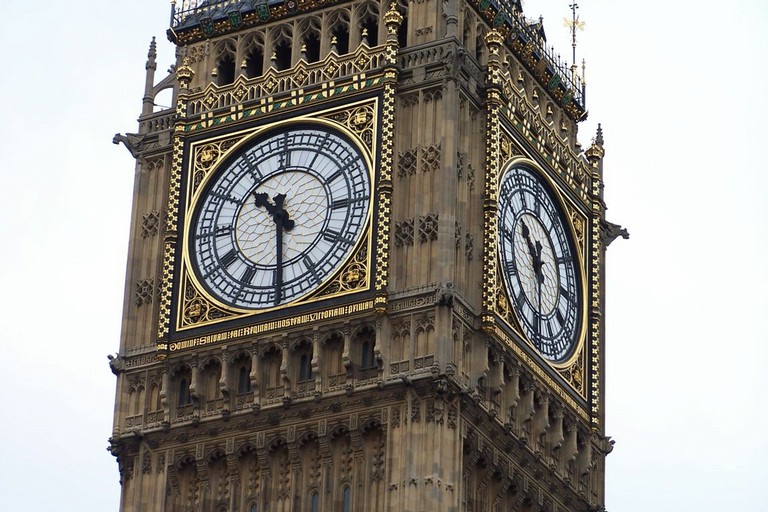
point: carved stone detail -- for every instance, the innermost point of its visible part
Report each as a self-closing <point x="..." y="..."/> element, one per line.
<point x="150" y="224"/>
<point x="404" y="233"/>
<point x="430" y="158"/>
<point x="428" y="227"/>
<point x="145" y="291"/>
<point x="469" y="246"/>
<point x="406" y="162"/>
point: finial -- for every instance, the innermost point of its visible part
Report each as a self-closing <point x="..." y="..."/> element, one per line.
<point x="333" y="45"/>
<point x="393" y="18"/>
<point x="365" y="37"/>
<point x="184" y="73"/>
<point x="599" y="137"/>
<point x="152" y="55"/>
<point x="573" y="25"/>
<point x="304" y="52"/>
<point x="595" y="152"/>
<point x="273" y="60"/>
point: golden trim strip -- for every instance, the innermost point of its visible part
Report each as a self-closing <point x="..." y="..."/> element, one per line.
<point x="273" y="325"/>
<point x="532" y="365"/>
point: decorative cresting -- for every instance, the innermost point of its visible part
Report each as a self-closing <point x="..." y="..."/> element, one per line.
<point x="493" y="107"/>
<point x="392" y="19"/>
<point x="184" y="75"/>
<point x="303" y="84"/>
<point x="530" y="123"/>
<point x="196" y="20"/>
<point x="514" y="30"/>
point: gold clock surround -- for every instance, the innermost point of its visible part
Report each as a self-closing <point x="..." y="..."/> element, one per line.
<point x="572" y="368"/>
<point x="194" y="307"/>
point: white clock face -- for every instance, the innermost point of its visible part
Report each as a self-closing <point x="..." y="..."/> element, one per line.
<point x="538" y="264"/>
<point x="281" y="218"/>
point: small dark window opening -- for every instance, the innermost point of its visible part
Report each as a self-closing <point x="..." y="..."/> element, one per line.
<point x="254" y="508"/>
<point x="465" y="35"/>
<point x="243" y="380"/>
<point x="305" y="367"/>
<point x="479" y="49"/>
<point x="184" y="398"/>
<point x="226" y="70"/>
<point x="254" y="64"/>
<point x="402" y="33"/>
<point x="341" y="33"/>
<point x="366" y="356"/>
<point x="371" y="26"/>
<point x="346" y="505"/>
<point x="283" y="55"/>
<point x="315" y="502"/>
<point x="312" y="48"/>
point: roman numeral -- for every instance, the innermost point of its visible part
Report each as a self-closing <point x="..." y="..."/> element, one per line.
<point x="218" y="232"/>
<point x="228" y="258"/>
<point x="341" y="203"/>
<point x="335" y="175"/>
<point x="566" y="294"/>
<point x="225" y="197"/>
<point x="334" y="237"/>
<point x="223" y="231"/>
<point x="248" y="275"/>
<point x="311" y="267"/>
<point x="510" y="268"/>
<point x="559" y="317"/>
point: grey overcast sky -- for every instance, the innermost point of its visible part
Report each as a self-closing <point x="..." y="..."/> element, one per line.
<point x="680" y="89"/>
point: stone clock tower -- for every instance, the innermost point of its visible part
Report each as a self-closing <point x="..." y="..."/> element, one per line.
<point x="365" y="268"/>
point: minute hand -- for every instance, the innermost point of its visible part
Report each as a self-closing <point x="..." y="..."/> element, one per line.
<point x="535" y="251"/>
<point x="282" y="222"/>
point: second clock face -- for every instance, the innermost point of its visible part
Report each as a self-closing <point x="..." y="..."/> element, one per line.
<point x="281" y="218"/>
<point x="539" y="264"/>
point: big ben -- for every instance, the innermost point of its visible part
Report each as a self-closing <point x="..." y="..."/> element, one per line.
<point x="365" y="268"/>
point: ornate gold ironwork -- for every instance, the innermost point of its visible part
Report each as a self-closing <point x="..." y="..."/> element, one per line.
<point x="208" y="156"/>
<point x="492" y="167"/>
<point x="354" y="275"/>
<point x="360" y="121"/>
<point x="197" y="309"/>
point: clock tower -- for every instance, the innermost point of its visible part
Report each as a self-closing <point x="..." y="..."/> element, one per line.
<point x="365" y="267"/>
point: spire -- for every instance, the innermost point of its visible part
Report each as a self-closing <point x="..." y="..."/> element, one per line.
<point x="595" y="152"/>
<point x="152" y="55"/>
<point x="599" y="135"/>
<point x="148" y="101"/>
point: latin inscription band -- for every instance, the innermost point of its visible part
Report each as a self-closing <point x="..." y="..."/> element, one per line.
<point x="271" y="326"/>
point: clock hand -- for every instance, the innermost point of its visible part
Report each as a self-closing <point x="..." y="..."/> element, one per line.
<point x="282" y="222"/>
<point x="535" y="251"/>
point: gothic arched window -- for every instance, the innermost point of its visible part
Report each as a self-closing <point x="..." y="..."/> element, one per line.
<point x="225" y="70"/>
<point x="305" y="367"/>
<point x="346" y="499"/>
<point x="184" y="398"/>
<point x="243" y="380"/>
<point x="314" y="502"/>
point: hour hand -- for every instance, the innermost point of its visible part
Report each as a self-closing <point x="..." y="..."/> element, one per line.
<point x="528" y="241"/>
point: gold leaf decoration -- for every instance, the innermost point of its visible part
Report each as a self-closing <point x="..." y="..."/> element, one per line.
<point x="196" y="309"/>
